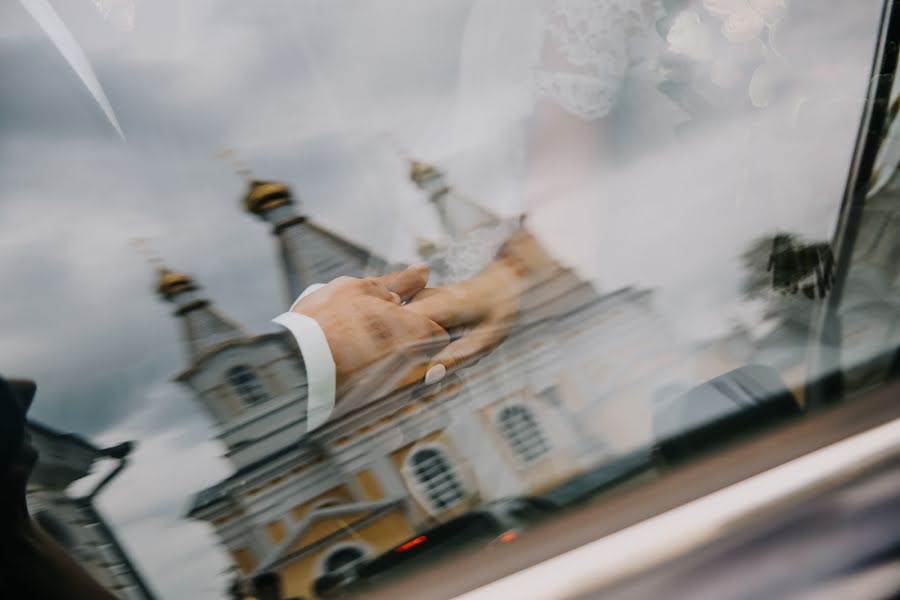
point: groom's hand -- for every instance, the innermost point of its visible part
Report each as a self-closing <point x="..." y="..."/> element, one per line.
<point x="483" y="309"/>
<point x="365" y="324"/>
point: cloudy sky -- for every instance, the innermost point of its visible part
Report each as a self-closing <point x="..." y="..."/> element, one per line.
<point x="310" y="92"/>
<point x="191" y="79"/>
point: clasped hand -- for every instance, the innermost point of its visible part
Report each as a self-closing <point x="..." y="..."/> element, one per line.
<point x="369" y="321"/>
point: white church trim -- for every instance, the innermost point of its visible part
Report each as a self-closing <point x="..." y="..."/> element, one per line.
<point x="317" y="514"/>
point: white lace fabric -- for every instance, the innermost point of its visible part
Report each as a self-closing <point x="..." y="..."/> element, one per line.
<point x="594" y="41"/>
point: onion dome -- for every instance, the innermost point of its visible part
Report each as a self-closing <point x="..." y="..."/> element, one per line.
<point x="265" y="195"/>
<point x="171" y="283"/>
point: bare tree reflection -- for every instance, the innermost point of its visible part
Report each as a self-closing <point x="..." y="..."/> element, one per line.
<point x="786" y="273"/>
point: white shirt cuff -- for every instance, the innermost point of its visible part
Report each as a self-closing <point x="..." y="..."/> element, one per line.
<point x="320" y="369"/>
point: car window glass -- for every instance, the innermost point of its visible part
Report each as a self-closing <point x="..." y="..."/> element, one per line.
<point x="667" y="176"/>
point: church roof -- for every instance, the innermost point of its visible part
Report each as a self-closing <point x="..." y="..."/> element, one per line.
<point x="206" y="329"/>
<point x="310" y="253"/>
<point x="219" y="492"/>
<point x="203" y="327"/>
<point x="338" y="239"/>
<point x="69" y="438"/>
<point x="212" y="350"/>
<point x="207" y="497"/>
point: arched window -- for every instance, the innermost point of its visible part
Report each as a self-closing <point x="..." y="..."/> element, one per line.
<point x="247" y="385"/>
<point x="522" y="432"/>
<point x="340" y="557"/>
<point x="435" y="477"/>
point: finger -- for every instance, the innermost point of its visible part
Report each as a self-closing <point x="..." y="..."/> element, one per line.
<point x="421" y="333"/>
<point x="427" y="292"/>
<point x="447" y="307"/>
<point x="471" y="346"/>
<point x="372" y="287"/>
<point x="406" y="283"/>
<point x="419" y="354"/>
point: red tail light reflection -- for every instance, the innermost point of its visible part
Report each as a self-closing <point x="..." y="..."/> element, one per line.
<point x="411" y="544"/>
<point x="507" y="537"/>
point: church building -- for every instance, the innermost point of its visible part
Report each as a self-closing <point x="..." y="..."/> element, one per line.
<point x="524" y="419"/>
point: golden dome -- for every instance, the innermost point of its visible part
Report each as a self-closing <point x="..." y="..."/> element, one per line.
<point x="170" y="283"/>
<point x="425" y="247"/>
<point x="420" y="172"/>
<point x="266" y="195"/>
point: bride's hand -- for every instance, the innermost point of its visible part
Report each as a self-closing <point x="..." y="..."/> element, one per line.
<point x="482" y="308"/>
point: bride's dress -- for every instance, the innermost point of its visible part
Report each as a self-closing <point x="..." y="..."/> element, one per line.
<point x="604" y="62"/>
<point x="598" y="40"/>
<point x="698" y="158"/>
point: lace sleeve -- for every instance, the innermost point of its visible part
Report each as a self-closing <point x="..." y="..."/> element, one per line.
<point x="591" y="42"/>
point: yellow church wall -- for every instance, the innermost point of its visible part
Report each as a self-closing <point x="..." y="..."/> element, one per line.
<point x="276" y="532"/>
<point x="324" y="527"/>
<point x="271" y="483"/>
<point x="339" y="494"/>
<point x="380" y="535"/>
<point x="298" y="576"/>
<point x="368" y="483"/>
<point x="244" y="560"/>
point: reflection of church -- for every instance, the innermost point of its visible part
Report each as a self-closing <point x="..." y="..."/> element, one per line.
<point x="520" y="422"/>
<point x="72" y="520"/>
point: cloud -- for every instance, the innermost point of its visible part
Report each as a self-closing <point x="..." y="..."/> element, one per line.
<point x="146" y="505"/>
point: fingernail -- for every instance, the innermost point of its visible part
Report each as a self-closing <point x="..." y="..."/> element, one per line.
<point x="421" y="265"/>
<point x="435" y="374"/>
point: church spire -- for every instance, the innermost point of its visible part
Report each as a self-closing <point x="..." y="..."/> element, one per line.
<point x="309" y="253"/>
<point x="459" y="216"/>
<point x="475" y="233"/>
<point x="203" y="327"/>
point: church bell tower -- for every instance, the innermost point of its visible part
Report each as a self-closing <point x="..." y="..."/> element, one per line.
<point x="309" y="253"/>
